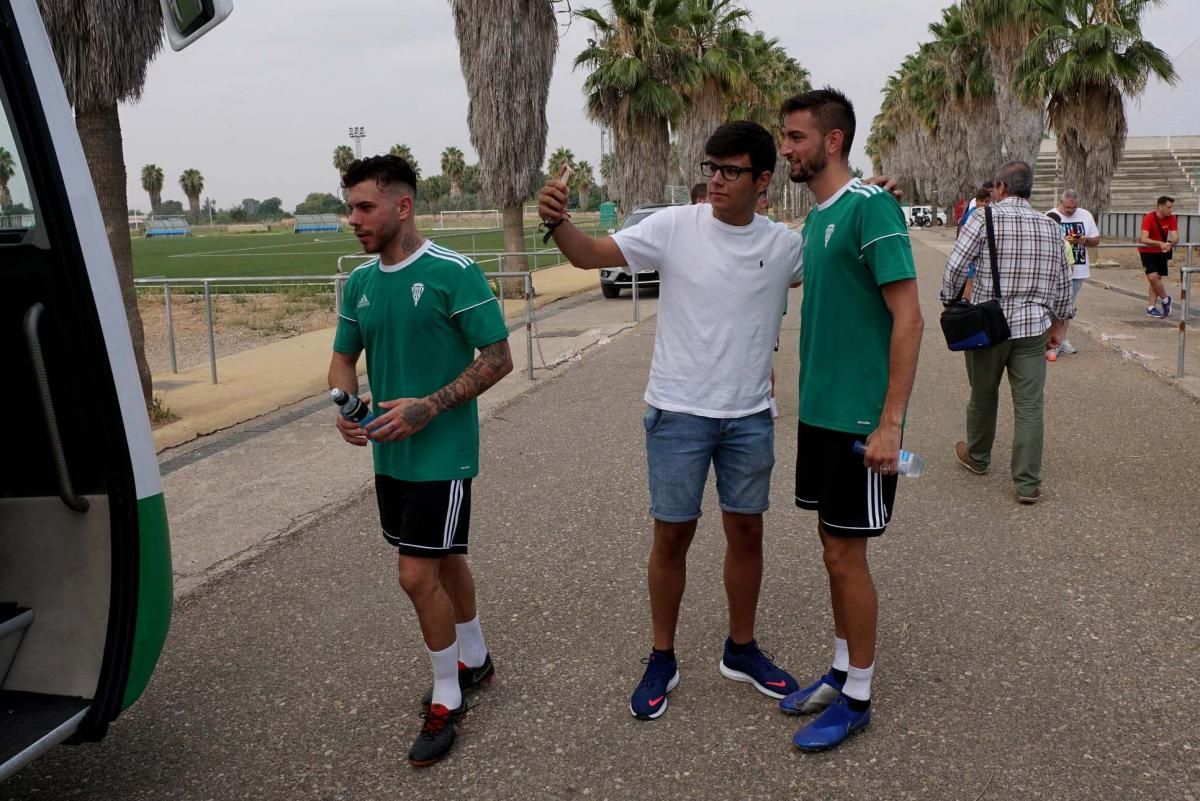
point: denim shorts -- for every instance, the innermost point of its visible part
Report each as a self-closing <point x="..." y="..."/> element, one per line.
<point x="680" y="447"/>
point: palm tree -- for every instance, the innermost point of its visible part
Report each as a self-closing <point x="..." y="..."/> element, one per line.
<point x="454" y="167"/>
<point x="103" y="50"/>
<point x="608" y="168"/>
<point x="1083" y="63"/>
<point x="343" y="157"/>
<point x="714" y="44"/>
<point x="152" y="182"/>
<point x="405" y="153"/>
<point x="558" y="158"/>
<point x="583" y="182"/>
<point x="637" y="67"/>
<point x="508" y="81"/>
<point x="972" y="91"/>
<point x="7" y="170"/>
<point x="1009" y="26"/>
<point x="192" y="184"/>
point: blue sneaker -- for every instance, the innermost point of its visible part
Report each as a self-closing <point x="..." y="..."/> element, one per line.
<point x="1166" y="304"/>
<point x="758" y="668"/>
<point x="832" y="727"/>
<point x="813" y="698"/>
<point x="649" y="700"/>
<point x="1152" y="311"/>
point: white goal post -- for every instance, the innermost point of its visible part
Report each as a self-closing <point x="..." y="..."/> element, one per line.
<point x="469" y="218"/>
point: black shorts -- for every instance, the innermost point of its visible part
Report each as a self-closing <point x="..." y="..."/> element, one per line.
<point x="425" y="518"/>
<point x="831" y="480"/>
<point x="1155" y="263"/>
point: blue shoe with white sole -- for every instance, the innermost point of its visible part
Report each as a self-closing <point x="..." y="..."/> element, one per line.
<point x="832" y="727"/>
<point x="756" y="667"/>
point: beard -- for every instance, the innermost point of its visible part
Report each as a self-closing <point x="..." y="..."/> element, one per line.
<point x="807" y="169"/>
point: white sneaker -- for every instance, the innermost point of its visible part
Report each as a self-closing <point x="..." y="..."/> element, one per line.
<point x="1067" y="348"/>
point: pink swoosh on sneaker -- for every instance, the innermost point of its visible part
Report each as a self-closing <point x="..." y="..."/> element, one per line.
<point x="776" y="683"/>
<point x="656" y="701"/>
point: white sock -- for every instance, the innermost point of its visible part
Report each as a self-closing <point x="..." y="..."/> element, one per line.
<point x="858" y="683"/>
<point x="445" y="677"/>
<point x="472" y="651"/>
<point x="841" y="654"/>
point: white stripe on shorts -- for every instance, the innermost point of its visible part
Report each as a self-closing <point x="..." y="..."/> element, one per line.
<point x="456" y="494"/>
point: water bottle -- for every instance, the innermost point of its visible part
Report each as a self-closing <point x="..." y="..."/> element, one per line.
<point x="909" y="464"/>
<point x="352" y="407"/>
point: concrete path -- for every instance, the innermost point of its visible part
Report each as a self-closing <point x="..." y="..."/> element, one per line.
<point x="1045" y="652"/>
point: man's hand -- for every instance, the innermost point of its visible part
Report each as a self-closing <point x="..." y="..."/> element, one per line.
<point x="883" y="449"/>
<point x="887" y="183"/>
<point x="405" y="417"/>
<point x="351" y="432"/>
<point x="1165" y="246"/>
<point x="1058" y="331"/>
<point x="552" y="205"/>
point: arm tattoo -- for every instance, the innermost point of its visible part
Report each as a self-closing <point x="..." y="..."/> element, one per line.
<point x="493" y="363"/>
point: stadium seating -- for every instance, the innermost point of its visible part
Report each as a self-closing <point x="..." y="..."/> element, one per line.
<point x="1151" y="166"/>
<point x="167" y="226"/>
<point x="311" y="223"/>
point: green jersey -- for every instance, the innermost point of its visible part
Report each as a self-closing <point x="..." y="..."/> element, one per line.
<point x="854" y="243"/>
<point x="420" y="322"/>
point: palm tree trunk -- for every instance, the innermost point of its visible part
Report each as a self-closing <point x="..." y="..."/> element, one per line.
<point x="584" y="191"/>
<point x="194" y="202"/>
<point x="983" y="141"/>
<point x="1021" y="126"/>
<point x="155" y="202"/>
<point x="643" y="150"/>
<point x="455" y="190"/>
<point x="100" y="134"/>
<point x="513" y="218"/>
<point x="1090" y="129"/>
<point x="705" y="116"/>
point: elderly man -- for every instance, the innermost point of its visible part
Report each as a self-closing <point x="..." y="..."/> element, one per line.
<point x="1080" y="231"/>
<point x="1035" y="279"/>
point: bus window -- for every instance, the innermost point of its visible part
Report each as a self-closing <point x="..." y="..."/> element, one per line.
<point x="16" y="199"/>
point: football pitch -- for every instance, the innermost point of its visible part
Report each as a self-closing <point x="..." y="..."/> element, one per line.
<point x="272" y="254"/>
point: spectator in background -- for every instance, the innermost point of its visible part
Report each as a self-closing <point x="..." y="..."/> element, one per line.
<point x="1160" y="232"/>
<point x="763" y="206"/>
<point x="1080" y="231"/>
<point x="983" y="196"/>
<point x="960" y="209"/>
<point x="699" y="194"/>
<point x="1036" y="298"/>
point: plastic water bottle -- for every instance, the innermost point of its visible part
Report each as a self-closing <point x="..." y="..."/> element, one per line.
<point x="909" y="464"/>
<point x="352" y="407"/>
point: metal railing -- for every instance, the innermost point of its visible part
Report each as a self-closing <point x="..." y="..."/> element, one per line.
<point x="1185" y="292"/>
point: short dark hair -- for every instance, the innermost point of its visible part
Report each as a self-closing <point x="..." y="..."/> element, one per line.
<point x="699" y="192"/>
<point x="832" y="111"/>
<point x="385" y="170"/>
<point x="1017" y="177"/>
<point x="1165" y="199"/>
<point x="744" y="136"/>
<point x="983" y="193"/>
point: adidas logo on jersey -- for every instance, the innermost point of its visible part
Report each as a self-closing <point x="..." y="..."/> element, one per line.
<point x="363" y="302"/>
<point x="418" y="290"/>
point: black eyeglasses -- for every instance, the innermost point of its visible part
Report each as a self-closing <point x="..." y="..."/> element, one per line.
<point x="728" y="171"/>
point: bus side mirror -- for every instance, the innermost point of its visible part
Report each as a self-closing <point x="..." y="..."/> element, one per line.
<point x="188" y="20"/>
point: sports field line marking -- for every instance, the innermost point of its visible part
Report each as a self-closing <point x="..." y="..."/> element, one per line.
<point x="259" y="247"/>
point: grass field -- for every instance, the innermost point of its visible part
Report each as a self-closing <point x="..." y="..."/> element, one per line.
<point x="272" y="254"/>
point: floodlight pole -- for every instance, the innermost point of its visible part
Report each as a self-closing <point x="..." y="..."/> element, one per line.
<point x="358" y="133"/>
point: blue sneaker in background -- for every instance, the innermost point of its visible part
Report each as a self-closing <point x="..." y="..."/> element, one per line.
<point x="832" y="727"/>
<point x="756" y="667"/>
<point x="1166" y="304"/>
<point x="649" y="700"/>
<point x="813" y="698"/>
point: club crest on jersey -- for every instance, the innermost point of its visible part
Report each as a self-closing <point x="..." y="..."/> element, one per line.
<point x="418" y="289"/>
<point x="829" y="233"/>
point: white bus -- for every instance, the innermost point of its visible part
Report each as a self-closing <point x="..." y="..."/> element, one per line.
<point x="85" y="561"/>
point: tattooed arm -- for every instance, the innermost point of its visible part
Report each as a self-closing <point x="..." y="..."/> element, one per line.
<point x="407" y="416"/>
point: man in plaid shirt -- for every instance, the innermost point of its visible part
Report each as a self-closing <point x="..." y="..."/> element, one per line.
<point x="1035" y="281"/>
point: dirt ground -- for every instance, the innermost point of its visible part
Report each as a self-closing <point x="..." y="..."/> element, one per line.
<point x="241" y="321"/>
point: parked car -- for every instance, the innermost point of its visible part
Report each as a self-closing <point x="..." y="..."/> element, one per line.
<point x="613" y="280"/>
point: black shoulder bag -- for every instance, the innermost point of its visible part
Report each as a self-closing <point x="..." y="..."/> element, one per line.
<point x="970" y="326"/>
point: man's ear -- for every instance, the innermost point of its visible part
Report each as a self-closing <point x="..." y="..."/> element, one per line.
<point x="764" y="180"/>
<point x="833" y="142"/>
<point x="404" y="205"/>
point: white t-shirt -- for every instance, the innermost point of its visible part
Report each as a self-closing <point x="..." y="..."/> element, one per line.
<point x="722" y="294"/>
<point x="1081" y="223"/>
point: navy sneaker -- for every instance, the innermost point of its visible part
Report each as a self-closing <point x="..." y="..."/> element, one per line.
<point x="1152" y="311"/>
<point x="1166" y="304"/>
<point x="756" y="667"/>
<point x="832" y="727"/>
<point x="438" y="733"/>
<point x="813" y="698"/>
<point x="649" y="700"/>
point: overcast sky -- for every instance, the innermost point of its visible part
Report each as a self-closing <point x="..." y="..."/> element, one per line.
<point x="259" y="104"/>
